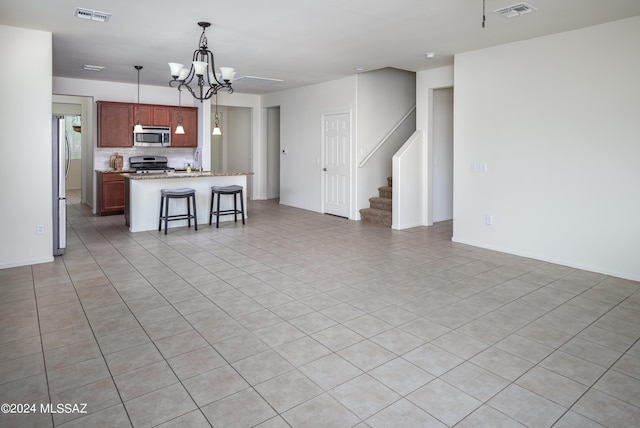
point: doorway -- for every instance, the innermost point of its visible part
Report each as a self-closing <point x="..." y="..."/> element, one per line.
<point x="232" y="151"/>
<point x="218" y="163"/>
<point x="442" y="154"/>
<point x="77" y="112"/>
<point x="336" y="137"/>
<point x="273" y="152"/>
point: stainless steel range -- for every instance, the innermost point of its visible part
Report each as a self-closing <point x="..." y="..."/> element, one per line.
<point x="150" y="164"/>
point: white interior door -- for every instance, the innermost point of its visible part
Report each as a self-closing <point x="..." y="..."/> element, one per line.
<point x="337" y="158"/>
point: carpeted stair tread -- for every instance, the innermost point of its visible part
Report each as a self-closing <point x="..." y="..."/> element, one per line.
<point x="385" y="192"/>
<point x="380" y="207"/>
<point x="381" y="203"/>
<point x="373" y="215"/>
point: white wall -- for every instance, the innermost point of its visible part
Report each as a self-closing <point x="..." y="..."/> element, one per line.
<point x="556" y="119"/>
<point x="376" y="100"/>
<point x="25" y="120"/>
<point x="301" y="111"/>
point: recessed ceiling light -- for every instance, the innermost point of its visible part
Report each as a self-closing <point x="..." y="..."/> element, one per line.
<point x="93" y="67"/>
<point x="359" y="69"/>
<point x="92" y="15"/>
<point x="430" y="55"/>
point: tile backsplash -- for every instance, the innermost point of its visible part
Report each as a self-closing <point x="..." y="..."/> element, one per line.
<point x="176" y="157"/>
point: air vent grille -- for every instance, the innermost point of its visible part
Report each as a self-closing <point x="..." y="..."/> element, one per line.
<point x="515" y="10"/>
<point x="90" y="67"/>
<point x="92" y="15"/>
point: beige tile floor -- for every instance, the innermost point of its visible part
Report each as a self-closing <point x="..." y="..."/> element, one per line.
<point x="305" y="320"/>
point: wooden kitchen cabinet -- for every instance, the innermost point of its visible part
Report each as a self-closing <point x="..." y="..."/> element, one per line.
<point x="110" y="187"/>
<point x="152" y="115"/>
<point x="162" y="115"/>
<point x="190" y="125"/>
<point x="116" y="121"/>
<point x="115" y="124"/>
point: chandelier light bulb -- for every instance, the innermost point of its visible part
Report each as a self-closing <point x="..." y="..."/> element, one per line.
<point x="200" y="67"/>
<point x="227" y="73"/>
<point x="176" y="68"/>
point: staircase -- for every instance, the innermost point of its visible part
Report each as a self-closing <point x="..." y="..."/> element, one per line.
<point x="379" y="211"/>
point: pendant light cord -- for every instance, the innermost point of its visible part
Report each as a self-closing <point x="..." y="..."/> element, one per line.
<point x="216" y="109"/>
<point x="138" y="67"/>
<point x="484" y="18"/>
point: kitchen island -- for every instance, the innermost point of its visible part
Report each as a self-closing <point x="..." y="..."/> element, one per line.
<point x="142" y="196"/>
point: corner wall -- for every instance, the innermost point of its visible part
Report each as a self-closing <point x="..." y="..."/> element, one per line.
<point x="301" y="111"/>
<point x="26" y="147"/>
<point x="426" y="82"/>
<point x="556" y="121"/>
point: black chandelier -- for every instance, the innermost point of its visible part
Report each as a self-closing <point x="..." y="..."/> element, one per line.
<point x="202" y="68"/>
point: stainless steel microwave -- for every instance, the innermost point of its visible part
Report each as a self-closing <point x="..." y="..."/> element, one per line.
<point x="153" y="136"/>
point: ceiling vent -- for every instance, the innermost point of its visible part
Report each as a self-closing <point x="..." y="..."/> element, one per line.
<point x="92" y="15"/>
<point x="89" y="67"/>
<point x="515" y="10"/>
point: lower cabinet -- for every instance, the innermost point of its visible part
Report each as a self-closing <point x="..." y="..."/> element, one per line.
<point x="110" y="189"/>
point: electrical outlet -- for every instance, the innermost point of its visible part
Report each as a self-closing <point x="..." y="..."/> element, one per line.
<point x="40" y="229"/>
<point x="488" y="219"/>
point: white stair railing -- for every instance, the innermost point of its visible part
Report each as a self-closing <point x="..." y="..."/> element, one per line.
<point x="386" y="137"/>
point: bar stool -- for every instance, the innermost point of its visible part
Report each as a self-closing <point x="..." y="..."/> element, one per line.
<point x="227" y="190"/>
<point x="166" y="195"/>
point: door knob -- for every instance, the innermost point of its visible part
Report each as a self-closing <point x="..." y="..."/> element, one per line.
<point x="324" y="169"/>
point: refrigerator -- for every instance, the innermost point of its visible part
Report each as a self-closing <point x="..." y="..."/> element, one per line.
<point x="60" y="168"/>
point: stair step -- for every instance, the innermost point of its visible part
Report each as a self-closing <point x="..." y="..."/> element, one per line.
<point x="373" y="215"/>
<point x="385" y="192"/>
<point x="381" y="203"/>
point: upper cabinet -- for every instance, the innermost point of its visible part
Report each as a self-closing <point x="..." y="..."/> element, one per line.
<point x="116" y="121"/>
<point x="115" y="124"/>
<point x="190" y="125"/>
<point x="152" y="115"/>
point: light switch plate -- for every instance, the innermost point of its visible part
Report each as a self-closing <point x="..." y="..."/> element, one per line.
<point x="479" y="166"/>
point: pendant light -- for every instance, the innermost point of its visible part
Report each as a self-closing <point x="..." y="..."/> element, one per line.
<point x="179" y="128"/>
<point x="216" y="129"/>
<point x="138" y="128"/>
